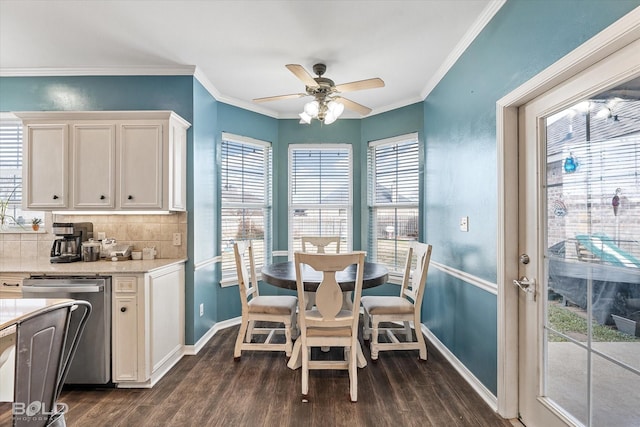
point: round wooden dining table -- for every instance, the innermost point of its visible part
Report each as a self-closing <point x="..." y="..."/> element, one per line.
<point x="283" y="275"/>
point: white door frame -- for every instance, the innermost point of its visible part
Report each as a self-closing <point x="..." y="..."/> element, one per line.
<point x="608" y="41"/>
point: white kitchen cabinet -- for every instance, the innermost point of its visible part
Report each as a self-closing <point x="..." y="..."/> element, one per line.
<point x="94" y="166"/>
<point x="141" y="166"/>
<point x="125" y="340"/>
<point x="119" y="160"/>
<point x="45" y="165"/>
<point x="148" y="325"/>
<point x="11" y="285"/>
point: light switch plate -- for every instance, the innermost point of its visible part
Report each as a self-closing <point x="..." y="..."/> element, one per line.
<point x="464" y="223"/>
<point x="201" y="309"/>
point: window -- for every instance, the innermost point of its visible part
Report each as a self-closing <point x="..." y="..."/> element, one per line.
<point x="11" y="178"/>
<point x="246" y="199"/>
<point x="320" y="199"/>
<point x="394" y="178"/>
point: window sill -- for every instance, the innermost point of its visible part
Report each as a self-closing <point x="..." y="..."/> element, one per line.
<point x="18" y="230"/>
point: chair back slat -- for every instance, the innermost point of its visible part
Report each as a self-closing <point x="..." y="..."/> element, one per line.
<point x="246" y="269"/>
<point x="329" y="297"/>
<point x="414" y="281"/>
<point x="320" y="243"/>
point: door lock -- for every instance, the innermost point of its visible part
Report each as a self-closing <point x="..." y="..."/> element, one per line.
<point x="527" y="285"/>
<point x="524" y="258"/>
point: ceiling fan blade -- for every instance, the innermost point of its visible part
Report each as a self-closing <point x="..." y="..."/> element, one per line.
<point x="280" y="97"/>
<point x="302" y="74"/>
<point x="360" y="85"/>
<point x="354" y="106"/>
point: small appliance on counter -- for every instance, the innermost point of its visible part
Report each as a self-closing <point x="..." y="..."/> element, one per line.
<point x="107" y="245"/>
<point x="68" y="246"/>
<point x="120" y="252"/>
<point x="91" y="250"/>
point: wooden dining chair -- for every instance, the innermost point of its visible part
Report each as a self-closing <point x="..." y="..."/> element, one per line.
<point x="319" y="243"/>
<point x="403" y="308"/>
<point x="260" y="308"/>
<point x="328" y="323"/>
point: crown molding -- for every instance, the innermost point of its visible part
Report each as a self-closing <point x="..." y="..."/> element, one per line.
<point x="173" y="70"/>
<point x="487" y="14"/>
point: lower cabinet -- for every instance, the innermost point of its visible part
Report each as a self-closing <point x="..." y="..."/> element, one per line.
<point x="148" y="325"/>
<point x="11" y="285"/>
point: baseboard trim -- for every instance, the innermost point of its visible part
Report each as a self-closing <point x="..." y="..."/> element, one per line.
<point x="468" y="376"/>
<point x="192" y="350"/>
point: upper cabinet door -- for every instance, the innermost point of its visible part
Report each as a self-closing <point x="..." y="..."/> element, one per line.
<point x="141" y="156"/>
<point x="177" y="167"/>
<point x="46" y="160"/>
<point x="94" y="165"/>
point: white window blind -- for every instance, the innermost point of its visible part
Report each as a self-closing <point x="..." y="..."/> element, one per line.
<point x="393" y="194"/>
<point x="320" y="193"/>
<point x="11" y="177"/>
<point x="246" y="198"/>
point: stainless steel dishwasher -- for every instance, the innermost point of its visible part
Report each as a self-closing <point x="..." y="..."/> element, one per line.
<point x="91" y="364"/>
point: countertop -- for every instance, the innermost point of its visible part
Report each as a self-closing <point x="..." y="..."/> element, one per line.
<point x="102" y="267"/>
<point x="13" y="310"/>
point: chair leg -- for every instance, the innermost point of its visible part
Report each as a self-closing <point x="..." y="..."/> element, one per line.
<point x="407" y="331"/>
<point x="374" y="338"/>
<point x="287" y="333"/>
<point x="366" y="326"/>
<point x="353" y="373"/>
<point x="305" y="353"/>
<point x="249" y="335"/>
<point x="420" y="338"/>
<point x="241" y="334"/>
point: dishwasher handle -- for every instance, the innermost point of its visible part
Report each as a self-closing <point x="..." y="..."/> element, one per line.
<point x="68" y="289"/>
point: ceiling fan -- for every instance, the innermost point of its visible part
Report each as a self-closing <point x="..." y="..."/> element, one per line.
<point x="328" y="104"/>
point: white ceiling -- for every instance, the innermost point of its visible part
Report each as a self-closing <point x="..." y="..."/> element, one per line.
<point x="239" y="49"/>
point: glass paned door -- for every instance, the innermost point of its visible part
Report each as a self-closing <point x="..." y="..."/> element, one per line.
<point x="593" y="258"/>
<point x="579" y="167"/>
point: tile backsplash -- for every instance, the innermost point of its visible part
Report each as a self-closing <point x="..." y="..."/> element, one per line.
<point x="138" y="230"/>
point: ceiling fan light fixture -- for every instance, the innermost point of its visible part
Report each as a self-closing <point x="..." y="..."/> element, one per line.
<point x="329" y="118"/>
<point x="305" y="118"/>
<point x="336" y="108"/>
<point x="312" y="108"/>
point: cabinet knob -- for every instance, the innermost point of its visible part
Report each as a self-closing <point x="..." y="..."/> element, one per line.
<point x="123" y="309"/>
<point x="130" y="197"/>
<point x="55" y="197"/>
<point x="102" y="197"/>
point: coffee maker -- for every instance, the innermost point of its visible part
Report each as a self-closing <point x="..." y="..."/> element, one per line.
<point x="68" y="246"/>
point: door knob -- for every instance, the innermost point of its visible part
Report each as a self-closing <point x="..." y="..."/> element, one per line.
<point x="527" y="285"/>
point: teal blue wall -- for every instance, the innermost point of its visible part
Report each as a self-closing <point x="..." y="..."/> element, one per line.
<point x="524" y="37"/>
<point x="99" y="93"/>
<point x="202" y="207"/>
<point x="456" y="123"/>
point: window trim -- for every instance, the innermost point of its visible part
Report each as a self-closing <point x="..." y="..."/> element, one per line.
<point x="232" y="279"/>
<point x="395" y="277"/>
<point x="11" y="119"/>
<point x="291" y="206"/>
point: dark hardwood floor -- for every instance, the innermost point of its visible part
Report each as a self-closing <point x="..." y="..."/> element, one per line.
<point x="210" y="389"/>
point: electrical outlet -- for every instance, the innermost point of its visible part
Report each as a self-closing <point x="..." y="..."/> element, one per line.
<point x="102" y="235"/>
<point x="464" y="223"/>
<point x="177" y="239"/>
<point x="201" y="309"/>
